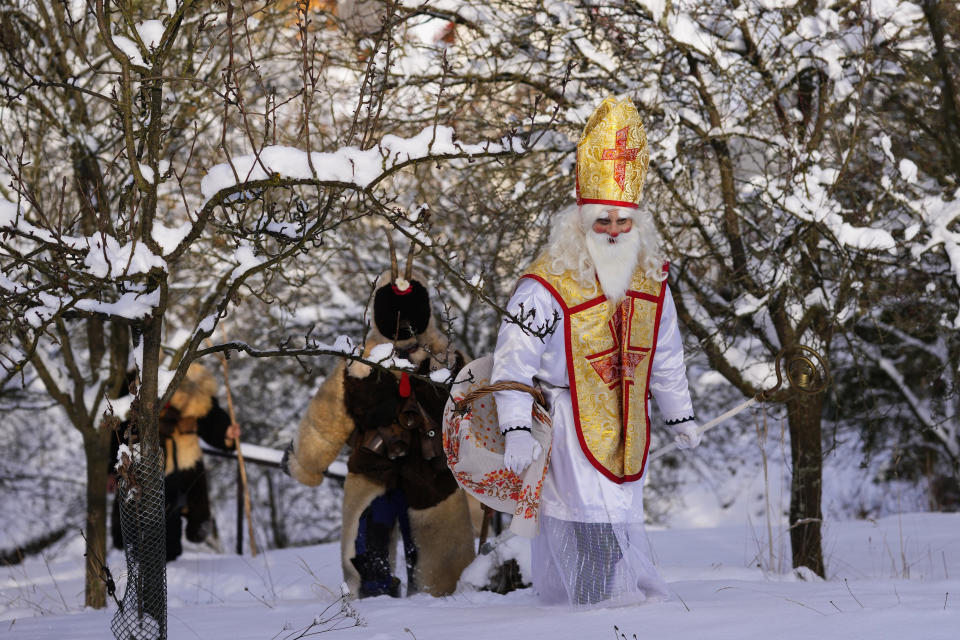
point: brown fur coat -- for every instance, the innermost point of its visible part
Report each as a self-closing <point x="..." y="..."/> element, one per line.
<point x="354" y="400"/>
<point x="193" y="413"/>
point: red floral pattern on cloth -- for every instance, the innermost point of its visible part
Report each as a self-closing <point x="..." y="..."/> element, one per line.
<point x="474" y="449"/>
<point x="451" y="435"/>
<point x="506" y="485"/>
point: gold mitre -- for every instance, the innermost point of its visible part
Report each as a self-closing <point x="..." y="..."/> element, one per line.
<point x="612" y="156"/>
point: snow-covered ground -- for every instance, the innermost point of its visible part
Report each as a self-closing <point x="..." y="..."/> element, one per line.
<point x="897" y="577"/>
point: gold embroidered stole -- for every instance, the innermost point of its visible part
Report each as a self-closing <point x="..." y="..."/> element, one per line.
<point x="609" y="359"/>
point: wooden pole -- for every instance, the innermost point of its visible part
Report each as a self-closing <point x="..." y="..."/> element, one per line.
<point x="239" y="512"/>
<point x="484" y="526"/>
<point x="240" y="466"/>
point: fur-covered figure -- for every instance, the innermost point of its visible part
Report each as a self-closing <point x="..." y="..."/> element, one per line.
<point x="398" y="485"/>
<point x="192" y="413"/>
<point x="323" y="431"/>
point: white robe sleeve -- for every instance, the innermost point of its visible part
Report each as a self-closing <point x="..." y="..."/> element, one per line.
<point x="518" y="354"/>
<point x="668" y="382"/>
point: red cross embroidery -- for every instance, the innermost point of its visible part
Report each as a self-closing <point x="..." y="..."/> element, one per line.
<point x="619" y="363"/>
<point x="621" y="156"/>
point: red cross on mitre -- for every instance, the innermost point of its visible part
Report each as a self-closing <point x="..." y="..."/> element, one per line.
<point x="620" y="363"/>
<point x="620" y="156"/>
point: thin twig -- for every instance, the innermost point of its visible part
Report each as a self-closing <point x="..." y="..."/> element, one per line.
<point x="56" y="585"/>
<point x="247" y="589"/>
<point x="851" y="593"/>
<point x="103" y="572"/>
<point x="806" y="606"/>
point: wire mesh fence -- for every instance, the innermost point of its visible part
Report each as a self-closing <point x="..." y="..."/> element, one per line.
<point x="142" y="613"/>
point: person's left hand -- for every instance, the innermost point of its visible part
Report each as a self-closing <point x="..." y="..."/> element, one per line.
<point x="688" y="436"/>
<point x="233" y="432"/>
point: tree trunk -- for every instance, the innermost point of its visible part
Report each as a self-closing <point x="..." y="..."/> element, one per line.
<point x="151" y="560"/>
<point x="950" y="102"/>
<point x="96" y="448"/>
<point x="806" y="451"/>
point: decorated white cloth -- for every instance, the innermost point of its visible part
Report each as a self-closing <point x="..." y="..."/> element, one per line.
<point x="474" y="448"/>
<point x="588" y="522"/>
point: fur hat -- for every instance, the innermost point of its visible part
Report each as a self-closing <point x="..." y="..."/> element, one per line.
<point x="194" y="397"/>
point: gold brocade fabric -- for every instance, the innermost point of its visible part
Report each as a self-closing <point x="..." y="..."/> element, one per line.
<point x="612" y="155"/>
<point x="609" y="358"/>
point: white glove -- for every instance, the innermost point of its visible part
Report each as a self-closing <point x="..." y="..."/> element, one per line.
<point x="687" y="435"/>
<point x="521" y="449"/>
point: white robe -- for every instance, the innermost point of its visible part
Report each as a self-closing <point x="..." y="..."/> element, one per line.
<point x="574" y="490"/>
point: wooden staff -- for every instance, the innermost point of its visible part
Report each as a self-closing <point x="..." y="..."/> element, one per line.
<point x="240" y="465"/>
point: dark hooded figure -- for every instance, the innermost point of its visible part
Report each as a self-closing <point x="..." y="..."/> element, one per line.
<point x="398" y="485"/>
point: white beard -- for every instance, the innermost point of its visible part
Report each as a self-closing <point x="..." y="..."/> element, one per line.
<point x="614" y="261"/>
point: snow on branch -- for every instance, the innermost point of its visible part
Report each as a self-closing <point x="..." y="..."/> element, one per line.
<point x="943" y="432"/>
<point x="940" y="215"/>
<point x="809" y="197"/>
<point x="104" y="259"/>
<point x="104" y="256"/>
<point x="108" y="259"/>
<point x="347" y="165"/>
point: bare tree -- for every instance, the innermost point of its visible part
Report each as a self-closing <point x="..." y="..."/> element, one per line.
<point x="178" y="201"/>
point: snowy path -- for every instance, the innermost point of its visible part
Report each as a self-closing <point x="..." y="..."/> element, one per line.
<point x="713" y="570"/>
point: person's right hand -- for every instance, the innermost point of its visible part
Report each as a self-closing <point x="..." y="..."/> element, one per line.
<point x="521" y="449"/>
<point x="688" y="435"/>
